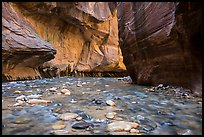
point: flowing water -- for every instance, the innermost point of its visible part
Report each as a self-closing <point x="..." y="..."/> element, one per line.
<point x="155" y="112"/>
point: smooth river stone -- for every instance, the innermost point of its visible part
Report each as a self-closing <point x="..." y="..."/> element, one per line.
<point x="68" y="116"/>
<point x="21" y="97"/>
<point x="17" y="92"/>
<point x="82" y="125"/>
<point x="38" y="101"/>
<point x="34" y="96"/>
<point x="121" y="126"/>
<point x="66" y="91"/>
<point x="110" y="103"/>
<point x="111" y="115"/>
<point x="58" y="126"/>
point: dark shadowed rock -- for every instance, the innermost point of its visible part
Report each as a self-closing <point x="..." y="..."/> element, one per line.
<point x="82" y="125"/>
<point x="161" y="42"/>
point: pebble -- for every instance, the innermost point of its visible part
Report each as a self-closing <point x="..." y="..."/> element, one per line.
<point x="56" y="110"/>
<point x="140" y="117"/>
<point x="73" y="101"/>
<point x="134" y="131"/>
<point x="151" y="90"/>
<point x="21" y="97"/>
<point x="118" y="118"/>
<point x="18" y="103"/>
<point x="79" y="118"/>
<point x="58" y="126"/>
<point x="160" y="86"/>
<point x="17" y="92"/>
<point x="111" y="115"/>
<point x="29" y="91"/>
<point x="59" y="132"/>
<point x="53" y="89"/>
<point x="66" y="91"/>
<point x="187" y="132"/>
<point x="68" y="116"/>
<point x="98" y="101"/>
<point x="22" y="120"/>
<point x="83" y="114"/>
<point x="38" y="101"/>
<point x="79" y="85"/>
<point x="34" y="96"/>
<point x="82" y="125"/>
<point x="121" y="126"/>
<point x="110" y="103"/>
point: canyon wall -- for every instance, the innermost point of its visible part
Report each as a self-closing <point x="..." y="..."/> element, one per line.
<point x="161" y="42"/>
<point x="84" y="35"/>
<point x="23" y="50"/>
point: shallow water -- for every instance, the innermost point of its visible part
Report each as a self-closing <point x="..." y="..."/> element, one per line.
<point x="156" y="113"/>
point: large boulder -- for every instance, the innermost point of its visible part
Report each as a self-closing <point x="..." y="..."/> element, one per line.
<point x="161" y="42"/>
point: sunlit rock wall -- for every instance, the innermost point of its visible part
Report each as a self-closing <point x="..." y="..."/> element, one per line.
<point x="23" y="50"/>
<point x="85" y="35"/>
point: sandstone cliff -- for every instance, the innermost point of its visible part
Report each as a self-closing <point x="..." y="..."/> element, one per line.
<point x="161" y="42"/>
<point x="23" y="50"/>
<point x="84" y="34"/>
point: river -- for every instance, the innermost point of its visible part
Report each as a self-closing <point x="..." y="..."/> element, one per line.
<point x="155" y="112"/>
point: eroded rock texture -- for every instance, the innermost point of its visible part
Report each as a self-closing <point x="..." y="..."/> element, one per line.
<point x="85" y="35"/>
<point x="23" y="50"/>
<point x="161" y="42"/>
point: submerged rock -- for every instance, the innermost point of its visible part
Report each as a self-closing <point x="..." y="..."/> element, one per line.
<point x="82" y="125"/>
<point x="188" y="132"/>
<point x="121" y="126"/>
<point x="68" y="116"/>
<point x="53" y="89"/>
<point x="38" y="101"/>
<point x="83" y="115"/>
<point x="22" y="97"/>
<point x="79" y="85"/>
<point x="111" y="115"/>
<point x="59" y="132"/>
<point x="79" y="118"/>
<point x="134" y="131"/>
<point x="97" y="101"/>
<point x="17" y="92"/>
<point x="110" y="103"/>
<point x="73" y="101"/>
<point x="22" y="120"/>
<point x="58" y="126"/>
<point x="66" y="91"/>
<point x="19" y="103"/>
<point x="34" y="96"/>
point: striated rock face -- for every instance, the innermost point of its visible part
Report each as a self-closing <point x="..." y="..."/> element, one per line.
<point x="84" y="34"/>
<point x="23" y="50"/>
<point x="161" y="42"/>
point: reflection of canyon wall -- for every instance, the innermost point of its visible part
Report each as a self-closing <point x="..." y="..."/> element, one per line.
<point x="84" y="34"/>
<point x="161" y="42"/>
